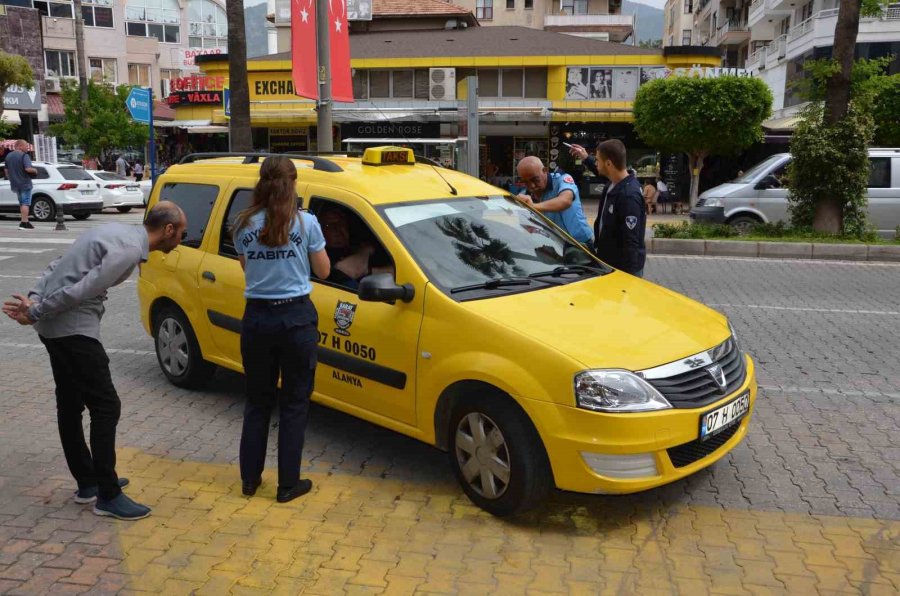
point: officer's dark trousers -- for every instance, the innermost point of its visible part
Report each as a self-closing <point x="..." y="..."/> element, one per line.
<point x="277" y="339"/>
<point x="81" y="372"/>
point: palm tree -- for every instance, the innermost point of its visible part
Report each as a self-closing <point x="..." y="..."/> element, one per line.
<point x="241" y="139"/>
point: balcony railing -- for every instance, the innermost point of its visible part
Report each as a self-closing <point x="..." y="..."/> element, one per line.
<point x="757" y="58"/>
<point x="801" y="29"/>
<point x="776" y="51"/>
<point x="589" y="20"/>
<point x="892" y="13"/>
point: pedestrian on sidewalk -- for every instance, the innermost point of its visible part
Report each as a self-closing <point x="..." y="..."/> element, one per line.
<point x="19" y="172"/>
<point x="65" y="308"/>
<point x="556" y="196"/>
<point x="121" y="166"/>
<point x="278" y="245"/>
<point x="138" y="171"/>
<point x="622" y="219"/>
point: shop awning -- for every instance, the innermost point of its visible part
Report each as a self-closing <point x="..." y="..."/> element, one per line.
<point x="11" y="117"/>
<point x="181" y="123"/>
<point x="406" y="141"/>
<point x="788" y="123"/>
<point x="206" y="129"/>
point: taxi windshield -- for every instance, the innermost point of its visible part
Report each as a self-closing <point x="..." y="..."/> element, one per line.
<point x="479" y="245"/>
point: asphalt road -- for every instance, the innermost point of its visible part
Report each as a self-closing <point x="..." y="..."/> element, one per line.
<point x="824" y="443"/>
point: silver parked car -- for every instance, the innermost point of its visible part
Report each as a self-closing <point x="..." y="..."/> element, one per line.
<point x="760" y="196"/>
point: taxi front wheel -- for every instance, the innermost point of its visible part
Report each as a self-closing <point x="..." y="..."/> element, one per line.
<point x="498" y="456"/>
<point x="177" y="350"/>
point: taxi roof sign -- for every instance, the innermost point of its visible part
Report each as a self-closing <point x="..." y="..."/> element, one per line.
<point x="388" y="156"/>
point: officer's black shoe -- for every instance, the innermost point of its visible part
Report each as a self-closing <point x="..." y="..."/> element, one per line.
<point x="249" y="487"/>
<point x="298" y="490"/>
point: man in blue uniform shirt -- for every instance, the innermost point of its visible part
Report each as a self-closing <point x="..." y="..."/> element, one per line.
<point x="556" y="196"/>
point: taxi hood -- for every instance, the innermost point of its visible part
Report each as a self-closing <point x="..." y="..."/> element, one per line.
<point x="613" y="321"/>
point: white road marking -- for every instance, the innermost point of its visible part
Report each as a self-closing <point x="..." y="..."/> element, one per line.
<point x="842" y="392"/>
<point x="4" y="258"/>
<point x="108" y="350"/>
<point x="8" y="240"/>
<point x="4" y="249"/>
<point x="784" y="261"/>
<point x="845" y="311"/>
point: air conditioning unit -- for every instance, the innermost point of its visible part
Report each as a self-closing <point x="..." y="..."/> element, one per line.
<point x="442" y="84"/>
<point x="166" y="88"/>
<point x="52" y="85"/>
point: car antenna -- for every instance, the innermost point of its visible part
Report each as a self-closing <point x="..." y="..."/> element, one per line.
<point x="453" y="190"/>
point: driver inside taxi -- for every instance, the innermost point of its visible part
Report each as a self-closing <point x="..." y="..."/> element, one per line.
<point x="350" y="261"/>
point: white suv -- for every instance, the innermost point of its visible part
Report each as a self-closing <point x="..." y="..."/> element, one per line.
<point x="56" y="186"/>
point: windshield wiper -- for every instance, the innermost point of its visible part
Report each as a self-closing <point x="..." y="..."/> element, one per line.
<point x="493" y="284"/>
<point x="564" y="269"/>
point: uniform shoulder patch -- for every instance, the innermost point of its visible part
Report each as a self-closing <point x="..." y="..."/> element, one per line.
<point x="568" y="179"/>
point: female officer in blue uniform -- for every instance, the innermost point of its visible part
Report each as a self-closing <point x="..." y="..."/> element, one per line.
<point x="277" y="245"/>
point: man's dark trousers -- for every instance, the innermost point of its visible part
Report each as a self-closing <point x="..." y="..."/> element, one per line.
<point x="81" y="372"/>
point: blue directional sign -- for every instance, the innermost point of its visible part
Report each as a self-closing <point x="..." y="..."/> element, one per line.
<point x="226" y="102"/>
<point x="139" y="104"/>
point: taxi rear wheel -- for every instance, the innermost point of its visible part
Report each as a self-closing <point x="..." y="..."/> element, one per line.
<point x="498" y="456"/>
<point x="178" y="352"/>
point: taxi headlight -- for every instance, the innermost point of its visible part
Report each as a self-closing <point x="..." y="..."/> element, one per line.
<point x="616" y="391"/>
<point x="713" y="202"/>
<point x="734" y="338"/>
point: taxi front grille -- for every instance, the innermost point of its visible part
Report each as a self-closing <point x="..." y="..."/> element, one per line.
<point x="697" y="388"/>
<point x="688" y="453"/>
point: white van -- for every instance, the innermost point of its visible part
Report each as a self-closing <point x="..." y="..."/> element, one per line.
<point x="759" y="196"/>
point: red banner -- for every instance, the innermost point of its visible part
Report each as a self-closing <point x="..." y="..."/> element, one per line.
<point x="341" y="83"/>
<point x="304" y="65"/>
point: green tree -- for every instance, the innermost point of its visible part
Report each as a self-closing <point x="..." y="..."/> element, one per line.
<point x="108" y="124"/>
<point x="14" y="70"/>
<point x="702" y="117"/>
<point x="650" y="43"/>
<point x="831" y="164"/>
<point x="886" y="110"/>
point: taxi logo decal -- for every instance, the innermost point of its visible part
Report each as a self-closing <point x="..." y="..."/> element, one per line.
<point x="343" y="317"/>
<point x="568" y="179"/>
<point x="631" y="221"/>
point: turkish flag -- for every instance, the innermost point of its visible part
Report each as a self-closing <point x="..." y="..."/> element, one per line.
<point x="341" y="83"/>
<point x="304" y="66"/>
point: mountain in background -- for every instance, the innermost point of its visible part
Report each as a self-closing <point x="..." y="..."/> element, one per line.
<point x="649" y="25"/>
<point x="649" y="22"/>
<point x="255" y="29"/>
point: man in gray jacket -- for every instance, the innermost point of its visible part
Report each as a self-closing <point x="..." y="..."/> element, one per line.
<point x="65" y="307"/>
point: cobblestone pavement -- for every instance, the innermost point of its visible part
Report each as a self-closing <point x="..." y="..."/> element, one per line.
<point x="807" y="504"/>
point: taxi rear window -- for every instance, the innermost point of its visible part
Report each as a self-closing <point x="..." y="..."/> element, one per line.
<point x="197" y="202"/>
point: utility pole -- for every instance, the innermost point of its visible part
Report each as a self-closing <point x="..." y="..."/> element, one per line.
<point x="324" y="138"/>
<point x="473" y="136"/>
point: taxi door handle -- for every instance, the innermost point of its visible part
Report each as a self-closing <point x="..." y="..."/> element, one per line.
<point x="209" y="275"/>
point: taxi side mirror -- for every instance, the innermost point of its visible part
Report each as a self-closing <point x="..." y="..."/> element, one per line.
<point x="381" y="287"/>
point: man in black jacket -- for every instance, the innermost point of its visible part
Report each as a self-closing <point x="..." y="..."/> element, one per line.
<point x="622" y="219"/>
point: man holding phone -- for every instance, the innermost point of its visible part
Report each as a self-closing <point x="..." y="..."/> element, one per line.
<point x="19" y="172"/>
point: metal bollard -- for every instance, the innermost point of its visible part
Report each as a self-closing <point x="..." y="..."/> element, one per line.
<point x="60" y="224"/>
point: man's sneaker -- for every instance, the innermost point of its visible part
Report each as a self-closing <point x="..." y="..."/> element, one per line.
<point x="298" y="490"/>
<point x="83" y="496"/>
<point x="121" y="507"/>
<point x="26" y="226"/>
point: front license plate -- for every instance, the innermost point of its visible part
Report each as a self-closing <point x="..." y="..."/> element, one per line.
<point x="721" y="418"/>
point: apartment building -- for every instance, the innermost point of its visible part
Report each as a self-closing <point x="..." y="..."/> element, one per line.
<point x="714" y="23"/>
<point x="595" y="19"/>
<point x="150" y="43"/>
<point x="785" y="35"/>
<point x="773" y="38"/>
<point x="600" y="20"/>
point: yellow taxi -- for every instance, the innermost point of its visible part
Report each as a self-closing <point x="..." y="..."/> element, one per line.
<point x="474" y="324"/>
